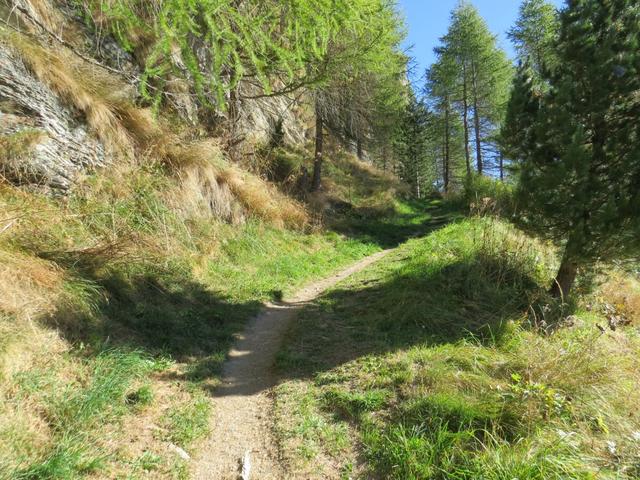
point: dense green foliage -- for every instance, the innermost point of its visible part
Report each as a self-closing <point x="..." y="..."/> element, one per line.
<point x="280" y="46"/>
<point x="217" y="43"/>
<point x="579" y="140"/>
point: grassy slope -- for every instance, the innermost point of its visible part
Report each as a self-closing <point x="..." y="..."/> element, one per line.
<point x="117" y="310"/>
<point x="420" y="368"/>
<point x="118" y="304"/>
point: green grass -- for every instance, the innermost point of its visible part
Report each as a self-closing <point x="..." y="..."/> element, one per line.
<point x="187" y="423"/>
<point x="76" y="412"/>
<point x="432" y="356"/>
<point x="135" y="308"/>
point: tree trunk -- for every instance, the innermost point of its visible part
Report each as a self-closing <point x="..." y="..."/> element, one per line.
<point x="359" y="149"/>
<point x="501" y="167"/>
<point x="446" y="159"/>
<point x="445" y="180"/>
<point x="465" y="119"/>
<point x="317" y="162"/>
<point x="565" y="279"/>
<point x="476" y="121"/>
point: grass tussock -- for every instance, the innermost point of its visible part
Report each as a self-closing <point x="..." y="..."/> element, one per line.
<point x="83" y="88"/>
<point x="433" y="356"/>
<point x="264" y="200"/>
<point x="620" y="294"/>
<point x="16" y="151"/>
<point x="47" y="14"/>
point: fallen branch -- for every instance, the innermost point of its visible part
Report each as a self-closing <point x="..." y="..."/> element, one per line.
<point x="246" y="466"/>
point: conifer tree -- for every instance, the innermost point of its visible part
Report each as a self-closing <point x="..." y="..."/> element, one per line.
<point x="412" y="147"/>
<point x="281" y="46"/>
<point x="535" y="33"/>
<point x="362" y="70"/>
<point x="580" y="178"/>
<point x="441" y="90"/>
<point x="483" y="75"/>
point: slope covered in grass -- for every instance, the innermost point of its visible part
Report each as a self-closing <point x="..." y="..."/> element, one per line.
<point x="119" y="302"/>
<point x="120" y="299"/>
<point x="430" y="366"/>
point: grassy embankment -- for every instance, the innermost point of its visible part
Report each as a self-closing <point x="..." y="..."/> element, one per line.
<point x="118" y="303"/>
<point x="437" y="363"/>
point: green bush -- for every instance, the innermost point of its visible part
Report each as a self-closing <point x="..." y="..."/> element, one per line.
<point x="489" y="196"/>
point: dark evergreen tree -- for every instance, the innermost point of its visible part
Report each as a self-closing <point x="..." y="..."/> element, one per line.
<point x="411" y="146"/>
<point x="580" y="178"/>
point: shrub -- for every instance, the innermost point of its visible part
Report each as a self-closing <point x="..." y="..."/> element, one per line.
<point x="489" y="196"/>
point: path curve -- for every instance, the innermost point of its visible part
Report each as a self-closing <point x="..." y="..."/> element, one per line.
<point x="243" y="403"/>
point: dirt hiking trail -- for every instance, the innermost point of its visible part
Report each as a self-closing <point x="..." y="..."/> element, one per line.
<point x="241" y="429"/>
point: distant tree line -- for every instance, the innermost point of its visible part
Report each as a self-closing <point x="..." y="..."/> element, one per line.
<point x="561" y="126"/>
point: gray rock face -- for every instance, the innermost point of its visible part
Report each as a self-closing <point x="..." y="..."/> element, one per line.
<point x="67" y="147"/>
<point x="260" y="117"/>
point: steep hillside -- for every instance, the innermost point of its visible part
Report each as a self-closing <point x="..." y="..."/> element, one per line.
<point x="119" y="303"/>
<point x="135" y="244"/>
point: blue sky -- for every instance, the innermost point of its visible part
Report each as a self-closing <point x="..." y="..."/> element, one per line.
<point x="428" y="20"/>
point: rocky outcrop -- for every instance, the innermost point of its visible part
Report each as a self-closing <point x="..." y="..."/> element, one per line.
<point x="27" y="104"/>
<point x="260" y="117"/>
<point x="62" y="143"/>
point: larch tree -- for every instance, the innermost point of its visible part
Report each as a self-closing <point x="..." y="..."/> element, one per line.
<point x="483" y="77"/>
<point x="412" y="147"/>
<point x="214" y="45"/>
<point x="535" y="33"/>
<point x="361" y="68"/>
<point x="580" y="165"/>
<point x="441" y="92"/>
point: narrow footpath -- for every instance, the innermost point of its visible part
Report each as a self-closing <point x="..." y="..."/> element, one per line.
<point x="241" y="444"/>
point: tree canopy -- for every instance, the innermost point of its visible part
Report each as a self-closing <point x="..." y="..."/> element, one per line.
<point x="579" y="145"/>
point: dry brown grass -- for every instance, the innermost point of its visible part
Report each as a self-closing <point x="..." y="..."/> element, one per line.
<point x="201" y="195"/>
<point x="209" y="182"/>
<point x="49" y="15"/>
<point x="27" y="284"/>
<point x="15" y="154"/>
<point x="264" y="200"/>
<point x="623" y="293"/>
<point x="29" y="288"/>
<point x="75" y="84"/>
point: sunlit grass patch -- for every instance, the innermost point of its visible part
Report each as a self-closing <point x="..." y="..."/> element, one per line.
<point x="435" y="356"/>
